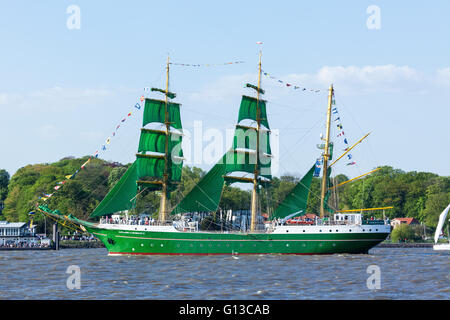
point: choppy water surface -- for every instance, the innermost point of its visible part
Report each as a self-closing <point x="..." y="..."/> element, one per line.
<point x="406" y="273"/>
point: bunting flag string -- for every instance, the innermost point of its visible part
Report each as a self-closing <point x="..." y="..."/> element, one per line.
<point x="295" y="87"/>
<point x="96" y="154"/>
<point x="205" y="65"/>
<point x="341" y="128"/>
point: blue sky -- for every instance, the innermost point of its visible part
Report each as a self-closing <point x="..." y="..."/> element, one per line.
<point x="62" y="91"/>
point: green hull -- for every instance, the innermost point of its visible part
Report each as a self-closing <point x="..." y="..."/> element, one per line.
<point x="211" y="243"/>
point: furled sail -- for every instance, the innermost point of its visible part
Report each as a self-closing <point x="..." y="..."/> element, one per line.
<point x="328" y="193"/>
<point x="122" y="195"/>
<point x="296" y="200"/>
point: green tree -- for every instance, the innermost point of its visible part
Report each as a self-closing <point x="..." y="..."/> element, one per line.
<point x="402" y="232"/>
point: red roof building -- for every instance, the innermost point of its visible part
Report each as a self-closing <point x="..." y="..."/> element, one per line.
<point x="409" y="221"/>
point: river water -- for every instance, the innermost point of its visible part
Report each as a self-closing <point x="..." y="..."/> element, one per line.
<point x="401" y="273"/>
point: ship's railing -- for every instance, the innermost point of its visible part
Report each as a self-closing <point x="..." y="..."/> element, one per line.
<point x="135" y="222"/>
<point x="329" y="222"/>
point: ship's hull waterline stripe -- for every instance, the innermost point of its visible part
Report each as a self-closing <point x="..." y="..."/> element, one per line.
<point x="208" y="254"/>
<point x="260" y="240"/>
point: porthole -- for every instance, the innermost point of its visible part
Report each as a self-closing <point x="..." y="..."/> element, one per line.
<point x="191" y="245"/>
<point x="331" y="230"/>
<point x="270" y="245"/>
<point x="350" y="230"/>
<point x="304" y="230"/>
<point x="287" y="244"/>
<point x="132" y="249"/>
<point x="241" y="245"/>
<point x="320" y="244"/>
<point x="142" y="244"/>
<point x="254" y="245"/>
<point x="201" y="245"/>
<point x="334" y="244"/>
<point x="364" y="230"/>
<point x="376" y="229"/>
<point x="320" y="230"/>
<point x="178" y="245"/>
<point x="287" y="230"/>
<point x="337" y="230"/>
<point x="151" y="245"/>
<point x="162" y="245"/>
<point x="304" y="244"/>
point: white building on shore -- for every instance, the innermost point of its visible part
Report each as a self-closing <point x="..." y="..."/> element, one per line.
<point x="17" y="233"/>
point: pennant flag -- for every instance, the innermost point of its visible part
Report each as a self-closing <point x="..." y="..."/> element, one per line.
<point x="84" y="164"/>
<point x="118" y="127"/>
<point x="334" y="110"/>
<point x="345" y="141"/>
<point x="337" y="119"/>
<point x="351" y="163"/>
<point x="259" y="42"/>
<point x="123" y="120"/>
<point x="339" y="126"/>
<point x="142" y="99"/>
<point x="349" y="156"/>
<point x="137" y="105"/>
<point x="57" y="187"/>
<point x="108" y="141"/>
<point x="129" y="114"/>
<point x="96" y="154"/>
<point x="103" y="147"/>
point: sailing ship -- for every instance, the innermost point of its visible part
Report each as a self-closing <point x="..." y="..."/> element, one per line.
<point x="158" y="166"/>
<point x="440" y="225"/>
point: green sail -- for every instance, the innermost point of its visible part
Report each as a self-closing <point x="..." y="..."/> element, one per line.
<point x="121" y="197"/>
<point x="154" y="111"/>
<point x="297" y="199"/>
<point x="242" y="157"/>
<point x="206" y="194"/>
<point x="247" y="110"/>
<point x="151" y="154"/>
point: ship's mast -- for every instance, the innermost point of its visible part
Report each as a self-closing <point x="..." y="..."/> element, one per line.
<point x="326" y="154"/>
<point x="163" y="209"/>
<point x="256" y="172"/>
